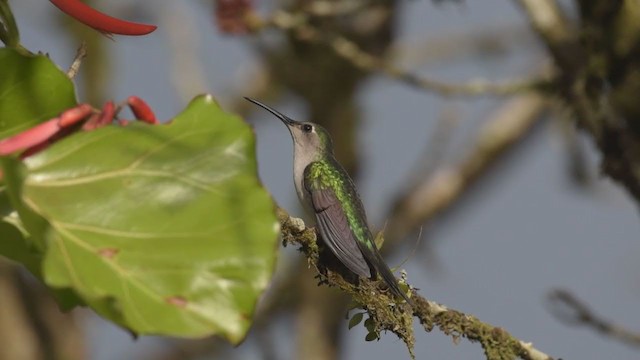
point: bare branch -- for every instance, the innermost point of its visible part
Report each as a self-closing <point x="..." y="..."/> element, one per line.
<point x="81" y="53"/>
<point x="298" y="24"/>
<point x="491" y="42"/>
<point x="447" y="185"/>
<point x="572" y="311"/>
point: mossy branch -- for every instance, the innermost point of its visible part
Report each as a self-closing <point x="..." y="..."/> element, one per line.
<point x="387" y="314"/>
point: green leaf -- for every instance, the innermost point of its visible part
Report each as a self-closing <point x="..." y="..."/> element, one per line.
<point x="373" y="333"/>
<point x="32" y="91"/>
<point x="372" y="336"/>
<point x="162" y="229"/>
<point x="355" y="320"/>
<point x="370" y="325"/>
<point x="16" y="244"/>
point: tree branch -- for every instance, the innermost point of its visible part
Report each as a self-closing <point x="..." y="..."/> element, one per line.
<point x="570" y="310"/>
<point x="439" y="192"/>
<point x="299" y="25"/>
<point x="387" y="314"/>
<point x="597" y="76"/>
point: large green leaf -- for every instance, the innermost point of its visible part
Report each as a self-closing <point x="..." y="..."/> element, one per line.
<point x="32" y="90"/>
<point x="162" y="229"/>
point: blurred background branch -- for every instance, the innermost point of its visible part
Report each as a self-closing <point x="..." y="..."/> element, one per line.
<point x="570" y="310"/>
<point x="447" y="185"/>
<point x="31" y="324"/>
<point x="298" y="24"/>
<point x="597" y="58"/>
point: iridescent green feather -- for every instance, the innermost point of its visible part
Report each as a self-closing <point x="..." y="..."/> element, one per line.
<point x="328" y="174"/>
<point x="326" y="181"/>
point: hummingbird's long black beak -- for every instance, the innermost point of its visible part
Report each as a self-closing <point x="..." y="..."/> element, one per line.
<point x="285" y="119"/>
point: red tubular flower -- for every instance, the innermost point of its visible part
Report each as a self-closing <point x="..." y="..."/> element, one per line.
<point x="92" y="122"/>
<point x="74" y="115"/>
<point x="141" y="110"/>
<point x="104" y="118"/>
<point x="28" y="138"/>
<point x="108" y="111"/>
<point x="42" y="135"/>
<point x="39" y="137"/>
<point x="100" y="21"/>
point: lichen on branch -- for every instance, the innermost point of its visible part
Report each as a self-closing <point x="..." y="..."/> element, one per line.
<point x="389" y="314"/>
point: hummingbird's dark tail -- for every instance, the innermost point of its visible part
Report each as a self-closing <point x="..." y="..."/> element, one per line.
<point x="388" y="277"/>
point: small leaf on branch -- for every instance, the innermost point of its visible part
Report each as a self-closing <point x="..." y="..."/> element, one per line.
<point x="355" y="320"/>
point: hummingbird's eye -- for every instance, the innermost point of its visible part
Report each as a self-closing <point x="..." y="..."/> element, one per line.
<point x="307" y="128"/>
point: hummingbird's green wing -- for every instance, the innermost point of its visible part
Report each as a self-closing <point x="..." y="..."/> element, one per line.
<point x="339" y="215"/>
<point x="332" y="220"/>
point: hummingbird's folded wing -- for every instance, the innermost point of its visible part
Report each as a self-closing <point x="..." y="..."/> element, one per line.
<point x="334" y="228"/>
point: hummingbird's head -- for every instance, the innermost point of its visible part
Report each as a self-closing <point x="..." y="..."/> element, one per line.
<point x="308" y="137"/>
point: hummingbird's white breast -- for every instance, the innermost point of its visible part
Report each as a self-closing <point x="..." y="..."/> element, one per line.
<point x="301" y="159"/>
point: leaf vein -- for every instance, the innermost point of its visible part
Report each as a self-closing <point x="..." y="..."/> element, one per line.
<point x="124" y="273"/>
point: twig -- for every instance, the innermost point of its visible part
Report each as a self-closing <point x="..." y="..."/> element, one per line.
<point x="389" y="315"/>
<point x="437" y="193"/>
<point x="570" y="310"/>
<point x="350" y="51"/>
<point x="81" y="53"/>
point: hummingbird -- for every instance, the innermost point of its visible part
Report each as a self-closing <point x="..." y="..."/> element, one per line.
<point x="325" y="188"/>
